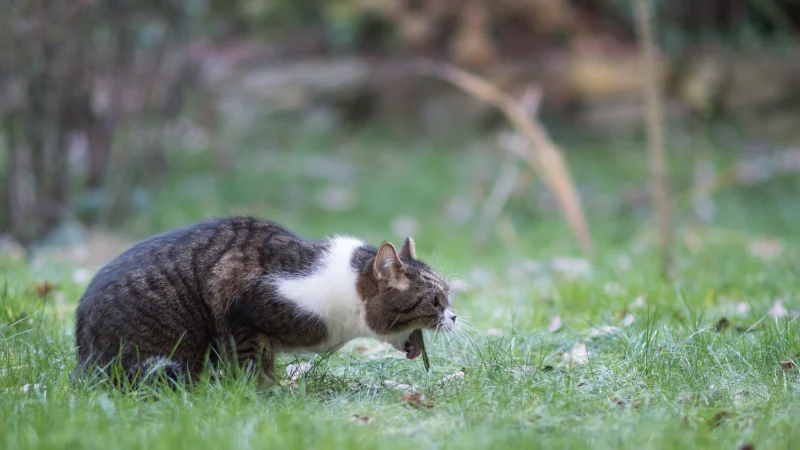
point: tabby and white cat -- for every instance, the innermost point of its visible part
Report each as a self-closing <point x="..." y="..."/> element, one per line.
<point x="252" y="288"/>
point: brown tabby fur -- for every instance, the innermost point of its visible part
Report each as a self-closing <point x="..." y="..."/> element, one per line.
<point x="201" y="293"/>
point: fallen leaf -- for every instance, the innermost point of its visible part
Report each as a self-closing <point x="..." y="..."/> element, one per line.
<point x="295" y="371"/>
<point x="778" y="310"/>
<point x="44" y="288"/>
<point x="766" y="248"/>
<point x="416" y="400"/>
<point x="362" y="419"/>
<point x="456" y="376"/>
<point x="554" y="324"/>
<point x="577" y="355"/>
<point x="722" y="325"/>
<point x="619" y="403"/>
<point x="787" y="366"/>
<point x="399" y="386"/>
<point x="619" y="315"/>
<point x="747" y="447"/>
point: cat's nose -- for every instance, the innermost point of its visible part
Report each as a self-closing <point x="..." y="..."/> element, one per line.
<point x="453" y="318"/>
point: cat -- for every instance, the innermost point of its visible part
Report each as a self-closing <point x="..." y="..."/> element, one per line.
<point x="242" y="289"/>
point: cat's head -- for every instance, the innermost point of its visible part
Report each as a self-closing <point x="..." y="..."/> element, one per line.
<point x="402" y="293"/>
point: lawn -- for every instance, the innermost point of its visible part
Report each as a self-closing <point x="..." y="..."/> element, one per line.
<point x="557" y="350"/>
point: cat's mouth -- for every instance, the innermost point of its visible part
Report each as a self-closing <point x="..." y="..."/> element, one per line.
<point x="414" y="345"/>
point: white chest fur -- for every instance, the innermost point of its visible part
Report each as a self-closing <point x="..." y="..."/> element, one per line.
<point x="330" y="293"/>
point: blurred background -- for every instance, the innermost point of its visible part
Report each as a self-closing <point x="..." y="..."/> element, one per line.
<point x="123" y="118"/>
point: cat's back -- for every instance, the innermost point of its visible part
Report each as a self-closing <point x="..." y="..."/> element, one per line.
<point x="185" y="257"/>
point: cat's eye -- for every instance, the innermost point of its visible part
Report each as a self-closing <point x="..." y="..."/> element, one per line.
<point x="438" y="300"/>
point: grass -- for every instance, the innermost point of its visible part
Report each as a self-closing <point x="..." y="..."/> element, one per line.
<point x="673" y="377"/>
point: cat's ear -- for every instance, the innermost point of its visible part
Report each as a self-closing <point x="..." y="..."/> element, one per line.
<point x="389" y="268"/>
<point x="408" y="249"/>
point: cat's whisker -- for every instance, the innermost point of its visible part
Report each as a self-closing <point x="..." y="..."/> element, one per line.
<point x="449" y="340"/>
<point x="447" y="278"/>
<point x="470" y="326"/>
<point x="466" y="325"/>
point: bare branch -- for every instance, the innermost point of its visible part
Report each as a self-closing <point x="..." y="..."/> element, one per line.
<point x="653" y="112"/>
<point x="543" y="156"/>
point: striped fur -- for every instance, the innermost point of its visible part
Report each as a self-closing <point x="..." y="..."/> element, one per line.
<point x="249" y="288"/>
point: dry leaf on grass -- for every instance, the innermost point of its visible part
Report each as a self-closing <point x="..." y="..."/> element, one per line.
<point x="361" y="420"/>
<point x="788" y="366"/>
<point x="577" y="355"/>
<point x="554" y="324"/>
<point x="399" y="386"/>
<point x="295" y="371"/>
<point x="416" y="400"/>
<point x="456" y="376"/>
